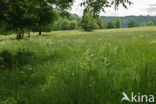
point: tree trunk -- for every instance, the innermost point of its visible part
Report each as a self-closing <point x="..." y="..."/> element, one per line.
<point x="40" y="33"/>
<point x="22" y="35"/>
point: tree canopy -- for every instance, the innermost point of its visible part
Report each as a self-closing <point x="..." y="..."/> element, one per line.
<point x="132" y="23"/>
<point x="118" y="23"/>
<point x="88" y="22"/>
<point x="111" y="24"/>
<point x="97" y="5"/>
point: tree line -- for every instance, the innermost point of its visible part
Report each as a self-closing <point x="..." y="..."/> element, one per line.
<point x="141" y="20"/>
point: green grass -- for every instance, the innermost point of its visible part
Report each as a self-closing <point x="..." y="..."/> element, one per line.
<point x="76" y="67"/>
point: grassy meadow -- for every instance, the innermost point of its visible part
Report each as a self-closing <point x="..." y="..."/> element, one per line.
<point x="76" y="67"/>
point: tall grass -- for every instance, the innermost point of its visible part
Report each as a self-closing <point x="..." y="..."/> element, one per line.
<point x="74" y="67"/>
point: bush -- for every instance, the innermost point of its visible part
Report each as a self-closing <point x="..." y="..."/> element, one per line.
<point x="111" y="24"/>
<point x="150" y="23"/>
<point x="66" y="25"/>
<point x="88" y="22"/>
<point x="100" y="23"/>
<point x="118" y="23"/>
<point x="132" y="23"/>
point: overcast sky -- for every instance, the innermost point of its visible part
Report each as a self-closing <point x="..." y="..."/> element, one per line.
<point x="139" y="7"/>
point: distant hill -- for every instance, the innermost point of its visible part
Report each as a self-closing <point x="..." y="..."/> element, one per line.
<point x="126" y="19"/>
<point x="74" y="17"/>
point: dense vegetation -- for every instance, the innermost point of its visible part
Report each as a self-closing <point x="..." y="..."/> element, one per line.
<point x="75" y="67"/>
<point x="72" y="67"/>
<point x="124" y="20"/>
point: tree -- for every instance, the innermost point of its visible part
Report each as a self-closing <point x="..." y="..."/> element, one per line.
<point x="143" y="24"/>
<point x="20" y="15"/>
<point x="73" y="25"/>
<point x="132" y="23"/>
<point x="118" y="23"/>
<point x="27" y="14"/>
<point x="100" y="23"/>
<point x="95" y="6"/>
<point x="4" y="28"/>
<point x="65" y="24"/>
<point x="88" y="22"/>
<point x="47" y="17"/>
<point x="150" y="23"/>
<point x="111" y="24"/>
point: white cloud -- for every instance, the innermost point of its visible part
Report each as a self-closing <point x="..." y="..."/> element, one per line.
<point x="139" y="7"/>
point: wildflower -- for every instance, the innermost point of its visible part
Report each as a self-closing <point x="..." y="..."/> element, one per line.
<point x="22" y="72"/>
<point x="1" y="66"/>
<point x="73" y="74"/>
<point x="90" y="85"/>
<point x="28" y="67"/>
<point x="51" y="77"/>
<point x="18" y="98"/>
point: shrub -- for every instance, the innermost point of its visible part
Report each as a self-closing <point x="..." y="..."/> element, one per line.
<point x="132" y="23"/>
<point x="111" y="24"/>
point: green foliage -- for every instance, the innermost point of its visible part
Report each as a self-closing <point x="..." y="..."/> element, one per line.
<point x="73" y="25"/>
<point x="95" y="6"/>
<point x="111" y="24"/>
<point x="143" y="24"/>
<point x="30" y="14"/>
<point x="48" y="17"/>
<point x="88" y="22"/>
<point x="118" y="23"/>
<point x="150" y="23"/>
<point x="132" y="23"/>
<point x="126" y="19"/>
<point x="75" y="67"/>
<point x="66" y="24"/>
<point x="100" y="23"/>
<point x="4" y="28"/>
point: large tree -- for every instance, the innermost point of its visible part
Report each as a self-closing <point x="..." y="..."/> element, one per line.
<point x="111" y="24"/>
<point x="118" y="23"/>
<point x="132" y="23"/>
<point x="88" y="22"/>
<point x="47" y="17"/>
<point x="150" y="23"/>
<point x="100" y="23"/>
<point x="24" y="15"/>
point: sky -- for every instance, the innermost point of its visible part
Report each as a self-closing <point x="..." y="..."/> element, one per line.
<point x="139" y="7"/>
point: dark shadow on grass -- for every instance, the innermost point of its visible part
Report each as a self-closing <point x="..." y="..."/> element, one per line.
<point x="21" y="75"/>
<point x="13" y="39"/>
<point x="10" y="61"/>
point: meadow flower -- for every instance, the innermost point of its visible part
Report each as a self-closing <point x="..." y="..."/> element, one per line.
<point x="51" y="77"/>
<point x="1" y="66"/>
<point x="73" y="74"/>
<point x="28" y="67"/>
<point x="22" y="72"/>
<point x="90" y="85"/>
<point x="1" y="58"/>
